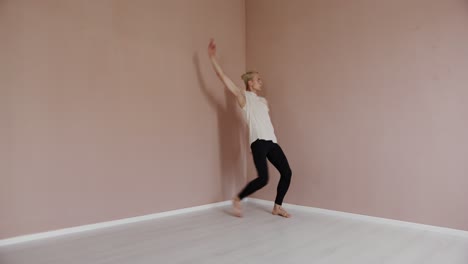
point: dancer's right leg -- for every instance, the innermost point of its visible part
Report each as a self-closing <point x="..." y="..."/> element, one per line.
<point x="259" y="154"/>
<point x="260" y="150"/>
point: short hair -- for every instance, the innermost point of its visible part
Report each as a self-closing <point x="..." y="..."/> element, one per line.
<point x="248" y="76"/>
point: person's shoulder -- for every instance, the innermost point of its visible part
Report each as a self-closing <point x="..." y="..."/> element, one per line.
<point x="248" y="99"/>
<point x="249" y="95"/>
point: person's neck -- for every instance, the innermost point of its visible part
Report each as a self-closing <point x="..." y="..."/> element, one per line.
<point x="253" y="91"/>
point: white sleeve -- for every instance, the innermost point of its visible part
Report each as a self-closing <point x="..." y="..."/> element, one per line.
<point x="247" y="102"/>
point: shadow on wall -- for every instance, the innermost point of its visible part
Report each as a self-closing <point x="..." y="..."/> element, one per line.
<point x="231" y="137"/>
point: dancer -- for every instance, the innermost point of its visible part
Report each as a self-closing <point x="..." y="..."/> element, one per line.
<point x="263" y="142"/>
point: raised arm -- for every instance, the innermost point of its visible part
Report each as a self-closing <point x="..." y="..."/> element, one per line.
<point x="230" y="85"/>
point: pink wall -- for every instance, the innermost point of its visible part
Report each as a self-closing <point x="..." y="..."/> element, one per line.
<point x="109" y="109"/>
<point x="108" y="112"/>
<point x="370" y="103"/>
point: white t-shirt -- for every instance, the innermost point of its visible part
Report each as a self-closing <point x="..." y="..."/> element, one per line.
<point x="256" y="113"/>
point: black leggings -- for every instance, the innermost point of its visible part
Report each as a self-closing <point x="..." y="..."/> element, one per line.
<point x="261" y="150"/>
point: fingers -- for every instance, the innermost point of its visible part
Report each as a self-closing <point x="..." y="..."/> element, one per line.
<point x="211" y="47"/>
<point x="212" y="43"/>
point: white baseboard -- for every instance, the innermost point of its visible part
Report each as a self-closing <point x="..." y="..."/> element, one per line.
<point x="443" y="230"/>
<point x="72" y="230"/>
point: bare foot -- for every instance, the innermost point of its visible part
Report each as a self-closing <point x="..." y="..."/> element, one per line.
<point x="278" y="210"/>
<point x="236" y="207"/>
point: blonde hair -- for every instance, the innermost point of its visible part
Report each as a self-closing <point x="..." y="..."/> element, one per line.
<point x="248" y="76"/>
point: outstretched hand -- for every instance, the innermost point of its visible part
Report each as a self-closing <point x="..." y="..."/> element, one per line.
<point x="212" y="48"/>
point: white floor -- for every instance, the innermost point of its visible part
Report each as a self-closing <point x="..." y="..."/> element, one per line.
<point x="214" y="236"/>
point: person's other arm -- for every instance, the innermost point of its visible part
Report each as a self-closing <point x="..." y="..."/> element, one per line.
<point x="230" y="85"/>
